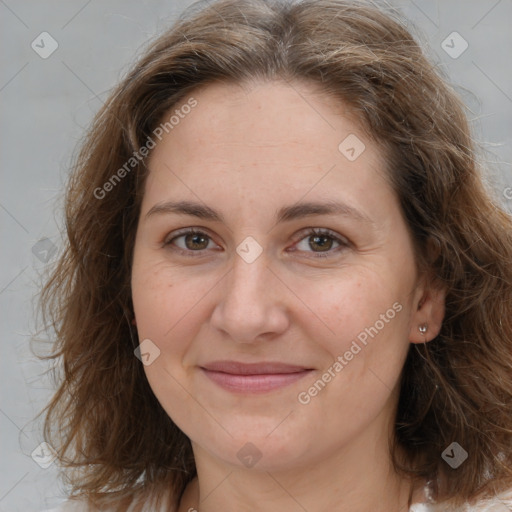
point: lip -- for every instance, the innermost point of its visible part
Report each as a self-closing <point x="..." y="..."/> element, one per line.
<point x="253" y="377"/>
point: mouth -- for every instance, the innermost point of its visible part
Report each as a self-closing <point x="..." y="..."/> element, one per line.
<point x="254" y="377"/>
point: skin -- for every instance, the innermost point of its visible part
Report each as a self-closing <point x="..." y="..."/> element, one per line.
<point x="246" y="151"/>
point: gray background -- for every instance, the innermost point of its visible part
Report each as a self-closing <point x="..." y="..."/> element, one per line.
<point x="46" y="105"/>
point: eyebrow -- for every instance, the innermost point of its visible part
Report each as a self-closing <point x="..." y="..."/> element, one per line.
<point x="284" y="214"/>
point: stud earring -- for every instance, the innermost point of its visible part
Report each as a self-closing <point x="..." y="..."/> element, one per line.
<point x="423" y="328"/>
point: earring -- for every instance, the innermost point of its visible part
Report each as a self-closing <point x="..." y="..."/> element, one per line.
<point x="423" y="328"/>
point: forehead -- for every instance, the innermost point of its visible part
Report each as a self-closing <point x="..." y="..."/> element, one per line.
<point x="270" y="139"/>
<point x="268" y="110"/>
<point x="263" y="121"/>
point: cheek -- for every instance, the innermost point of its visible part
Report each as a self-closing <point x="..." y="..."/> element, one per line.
<point x="168" y="313"/>
<point x="364" y="326"/>
<point x="350" y="306"/>
<point x="164" y="300"/>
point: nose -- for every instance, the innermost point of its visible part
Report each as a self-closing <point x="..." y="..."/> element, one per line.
<point x="252" y="302"/>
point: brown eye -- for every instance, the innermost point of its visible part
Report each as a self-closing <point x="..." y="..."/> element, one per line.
<point x="323" y="242"/>
<point x="190" y="241"/>
<point x="195" y="241"/>
<point x="318" y="241"/>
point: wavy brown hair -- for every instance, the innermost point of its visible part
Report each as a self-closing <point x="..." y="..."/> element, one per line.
<point x="112" y="435"/>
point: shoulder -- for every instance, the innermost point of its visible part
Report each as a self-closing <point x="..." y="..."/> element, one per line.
<point x="502" y="502"/>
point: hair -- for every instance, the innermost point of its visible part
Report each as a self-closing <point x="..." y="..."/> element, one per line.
<point x="111" y="433"/>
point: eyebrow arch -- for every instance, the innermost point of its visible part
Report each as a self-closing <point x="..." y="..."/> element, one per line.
<point x="285" y="214"/>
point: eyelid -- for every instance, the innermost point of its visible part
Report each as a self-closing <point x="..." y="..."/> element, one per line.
<point x="185" y="231"/>
<point x="320" y="231"/>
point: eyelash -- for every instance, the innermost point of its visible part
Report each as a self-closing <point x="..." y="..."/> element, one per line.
<point x="311" y="232"/>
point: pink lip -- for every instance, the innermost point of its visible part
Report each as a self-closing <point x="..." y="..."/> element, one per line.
<point x="255" y="377"/>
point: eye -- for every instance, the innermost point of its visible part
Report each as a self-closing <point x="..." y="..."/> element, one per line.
<point x="323" y="240"/>
<point x="194" y="241"/>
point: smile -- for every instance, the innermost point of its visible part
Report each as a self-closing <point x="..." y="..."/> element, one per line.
<point x="253" y="378"/>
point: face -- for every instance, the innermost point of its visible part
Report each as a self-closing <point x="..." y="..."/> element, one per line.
<point x="329" y="298"/>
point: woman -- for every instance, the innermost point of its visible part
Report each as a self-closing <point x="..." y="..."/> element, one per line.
<point x="285" y="285"/>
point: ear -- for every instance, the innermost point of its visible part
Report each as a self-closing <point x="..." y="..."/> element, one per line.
<point x="134" y="321"/>
<point x="429" y="304"/>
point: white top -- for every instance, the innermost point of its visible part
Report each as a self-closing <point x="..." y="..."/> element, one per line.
<point x="501" y="503"/>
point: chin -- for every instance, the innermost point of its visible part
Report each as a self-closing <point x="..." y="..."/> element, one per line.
<point x="266" y="448"/>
